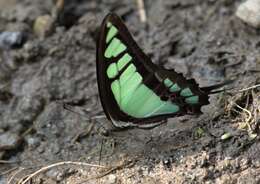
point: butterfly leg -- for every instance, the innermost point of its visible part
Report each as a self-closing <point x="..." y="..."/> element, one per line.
<point x="152" y="124"/>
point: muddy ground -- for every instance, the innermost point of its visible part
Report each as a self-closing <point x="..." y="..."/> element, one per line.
<point x="203" y="39"/>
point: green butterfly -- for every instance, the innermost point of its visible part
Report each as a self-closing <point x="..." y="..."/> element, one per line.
<point x="133" y="90"/>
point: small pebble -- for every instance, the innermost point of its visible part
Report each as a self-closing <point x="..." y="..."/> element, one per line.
<point x="3" y="180"/>
<point x="249" y="12"/>
<point x="10" y="40"/>
<point x="252" y="136"/>
<point x="9" y="141"/>
<point x="55" y="174"/>
<point x="226" y="136"/>
<point x="111" y="179"/>
<point x="33" y="142"/>
<point x="43" y="26"/>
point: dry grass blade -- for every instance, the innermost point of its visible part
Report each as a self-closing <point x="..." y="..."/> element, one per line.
<point x="122" y="165"/>
<point x="8" y="171"/>
<point x="60" y="4"/>
<point x="43" y="169"/>
<point x="244" y="108"/>
<point x="251" y="87"/>
<point x="57" y="9"/>
<point x="15" y="174"/>
<point x="247" y="118"/>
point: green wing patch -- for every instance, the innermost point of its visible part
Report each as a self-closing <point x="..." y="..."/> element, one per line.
<point x="186" y="92"/>
<point x="111" y="33"/>
<point x="114" y="48"/>
<point x="192" y="100"/>
<point x="167" y="82"/>
<point x="112" y="71"/>
<point x="175" y="88"/>
<point x="123" y="61"/>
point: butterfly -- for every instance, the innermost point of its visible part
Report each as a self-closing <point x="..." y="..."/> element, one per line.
<point x="135" y="92"/>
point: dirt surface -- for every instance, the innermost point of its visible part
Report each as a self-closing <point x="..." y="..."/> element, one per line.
<point x="202" y="39"/>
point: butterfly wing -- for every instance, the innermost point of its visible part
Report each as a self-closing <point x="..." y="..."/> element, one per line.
<point x="135" y="91"/>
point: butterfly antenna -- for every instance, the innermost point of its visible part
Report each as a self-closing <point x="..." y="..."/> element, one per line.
<point x="70" y="108"/>
<point x="81" y="111"/>
<point x="100" y="152"/>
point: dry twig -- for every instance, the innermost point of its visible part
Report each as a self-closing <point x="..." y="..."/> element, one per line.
<point x="251" y="87"/>
<point x="8" y="171"/>
<point x="248" y="119"/>
<point x="141" y="9"/>
<point x="7" y="162"/>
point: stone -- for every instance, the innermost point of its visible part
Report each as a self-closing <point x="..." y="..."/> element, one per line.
<point x="43" y="26"/>
<point x="111" y="179"/>
<point x="9" y="141"/>
<point x="249" y="12"/>
<point x="10" y="40"/>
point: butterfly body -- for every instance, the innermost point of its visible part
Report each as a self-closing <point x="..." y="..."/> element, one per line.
<point x="133" y="90"/>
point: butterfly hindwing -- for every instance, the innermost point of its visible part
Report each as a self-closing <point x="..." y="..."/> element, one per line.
<point x="132" y="88"/>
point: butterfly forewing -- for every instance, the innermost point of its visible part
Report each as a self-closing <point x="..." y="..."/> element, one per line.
<point x="132" y="88"/>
